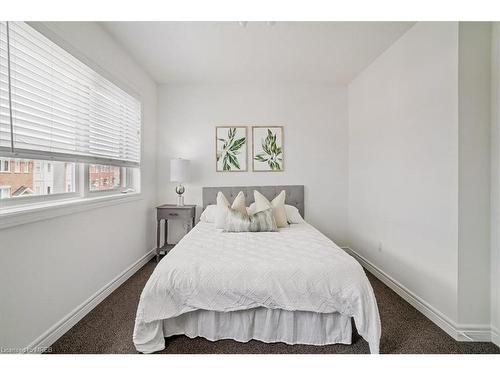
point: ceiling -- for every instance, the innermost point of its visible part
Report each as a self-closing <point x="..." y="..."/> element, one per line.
<point x="226" y="52"/>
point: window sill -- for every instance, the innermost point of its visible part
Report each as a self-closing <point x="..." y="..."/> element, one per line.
<point x="13" y="216"/>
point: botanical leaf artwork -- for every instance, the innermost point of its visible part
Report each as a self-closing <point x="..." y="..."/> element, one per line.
<point x="230" y="150"/>
<point x="271" y="151"/>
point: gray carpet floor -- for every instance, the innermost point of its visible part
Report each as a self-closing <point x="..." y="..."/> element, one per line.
<point x="108" y="329"/>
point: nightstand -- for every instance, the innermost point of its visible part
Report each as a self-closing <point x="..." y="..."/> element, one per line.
<point x="168" y="212"/>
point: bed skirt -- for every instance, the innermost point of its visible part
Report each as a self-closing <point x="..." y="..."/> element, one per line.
<point x="263" y="324"/>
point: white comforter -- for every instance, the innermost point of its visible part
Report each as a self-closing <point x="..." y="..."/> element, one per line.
<point x="296" y="269"/>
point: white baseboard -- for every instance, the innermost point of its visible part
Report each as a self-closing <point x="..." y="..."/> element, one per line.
<point x="50" y="336"/>
<point x="495" y="336"/>
<point x="476" y="333"/>
<point x="458" y="332"/>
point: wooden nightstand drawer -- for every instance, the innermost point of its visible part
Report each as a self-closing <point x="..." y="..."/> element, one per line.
<point x="174" y="213"/>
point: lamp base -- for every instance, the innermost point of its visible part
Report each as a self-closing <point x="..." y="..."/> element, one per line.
<point x="180" y="200"/>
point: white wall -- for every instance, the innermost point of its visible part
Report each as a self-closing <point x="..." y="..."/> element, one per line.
<point x="48" y="268"/>
<point x="495" y="185"/>
<point x="403" y="163"/>
<point x="315" y="142"/>
<point x="474" y="173"/>
<point x="419" y="168"/>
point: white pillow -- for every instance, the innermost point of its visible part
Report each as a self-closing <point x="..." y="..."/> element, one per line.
<point x="277" y="204"/>
<point x="251" y="209"/>
<point x="262" y="221"/>
<point x="208" y="214"/>
<point x="223" y="208"/>
<point x="292" y="213"/>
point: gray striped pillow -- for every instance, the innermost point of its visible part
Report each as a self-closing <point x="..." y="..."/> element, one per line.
<point x="262" y="221"/>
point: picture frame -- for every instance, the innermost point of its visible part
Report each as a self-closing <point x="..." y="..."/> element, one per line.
<point x="267" y="149"/>
<point x="231" y="153"/>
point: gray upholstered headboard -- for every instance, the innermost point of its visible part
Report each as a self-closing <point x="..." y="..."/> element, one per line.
<point x="294" y="194"/>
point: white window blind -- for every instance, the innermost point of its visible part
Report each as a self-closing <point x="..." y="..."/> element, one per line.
<point x="63" y="109"/>
<point x="4" y="93"/>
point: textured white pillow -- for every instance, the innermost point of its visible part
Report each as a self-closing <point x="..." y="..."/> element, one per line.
<point x="293" y="215"/>
<point x="223" y="206"/>
<point x="208" y="214"/>
<point x="277" y="204"/>
<point x="251" y="209"/>
<point x="262" y="221"/>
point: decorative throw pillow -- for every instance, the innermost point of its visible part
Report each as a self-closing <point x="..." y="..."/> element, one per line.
<point x="262" y="221"/>
<point x="223" y="206"/>
<point x="293" y="215"/>
<point x="208" y="214"/>
<point x="277" y="205"/>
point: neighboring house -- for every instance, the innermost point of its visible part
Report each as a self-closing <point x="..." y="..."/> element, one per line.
<point x="53" y="177"/>
<point x="103" y="177"/>
<point x="16" y="176"/>
<point x="43" y="177"/>
<point x="35" y="177"/>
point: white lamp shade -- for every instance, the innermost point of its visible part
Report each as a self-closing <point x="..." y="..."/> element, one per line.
<point x="179" y="170"/>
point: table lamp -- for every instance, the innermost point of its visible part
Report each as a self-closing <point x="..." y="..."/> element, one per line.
<point x="179" y="172"/>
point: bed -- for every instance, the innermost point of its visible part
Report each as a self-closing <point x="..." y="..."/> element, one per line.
<point x="293" y="286"/>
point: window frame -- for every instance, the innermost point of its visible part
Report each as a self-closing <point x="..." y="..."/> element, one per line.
<point x="14" y="211"/>
<point x="82" y="189"/>
<point x="90" y="193"/>
<point x="2" y="161"/>
<point x="27" y="200"/>
<point x="17" y="166"/>
<point x="128" y="185"/>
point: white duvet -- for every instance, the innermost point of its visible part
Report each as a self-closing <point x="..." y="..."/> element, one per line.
<point x="295" y="269"/>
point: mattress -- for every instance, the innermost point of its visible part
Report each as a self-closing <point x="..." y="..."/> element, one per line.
<point x="296" y="269"/>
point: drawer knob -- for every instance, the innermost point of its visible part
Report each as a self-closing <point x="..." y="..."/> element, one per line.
<point x="173" y="214"/>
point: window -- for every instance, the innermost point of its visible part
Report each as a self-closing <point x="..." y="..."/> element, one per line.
<point x="64" y="129"/>
<point x="4" y="165"/>
<point x="4" y="192"/>
<point x="27" y="184"/>
<point x="111" y="178"/>
<point x="104" y="177"/>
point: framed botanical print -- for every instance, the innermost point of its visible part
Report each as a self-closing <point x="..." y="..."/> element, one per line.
<point x="267" y="148"/>
<point x="231" y="148"/>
